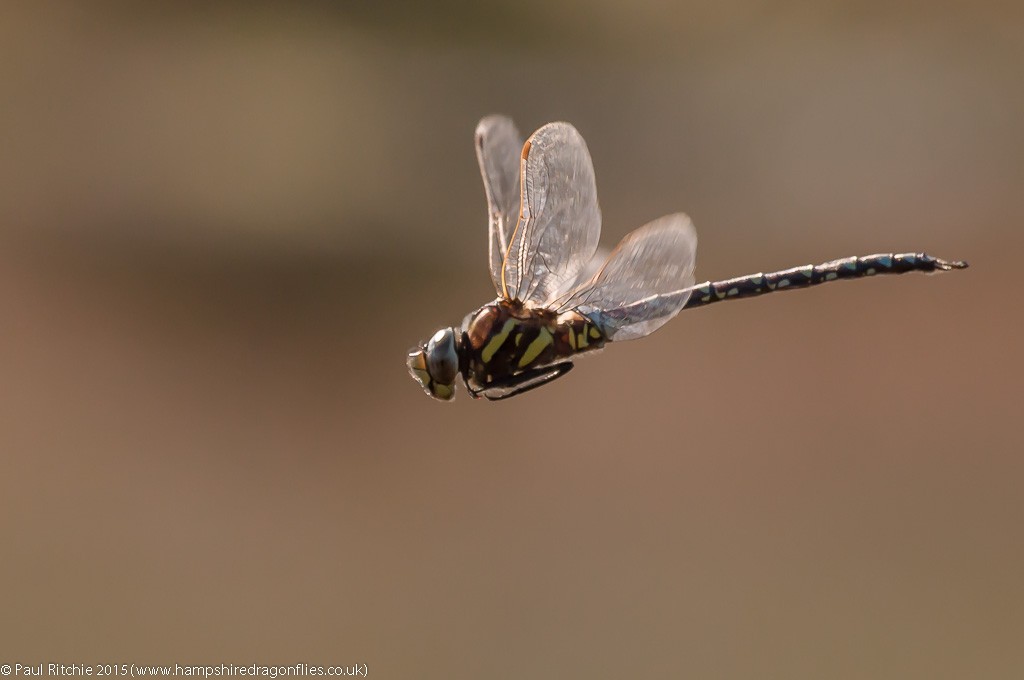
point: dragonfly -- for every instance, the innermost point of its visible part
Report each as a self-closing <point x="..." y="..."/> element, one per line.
<point x="558" y="296"/>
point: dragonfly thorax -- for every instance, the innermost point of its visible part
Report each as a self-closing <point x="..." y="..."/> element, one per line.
<point x="506" y="339"/>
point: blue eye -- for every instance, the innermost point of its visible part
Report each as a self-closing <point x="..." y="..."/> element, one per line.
<point x="442" y="358"/>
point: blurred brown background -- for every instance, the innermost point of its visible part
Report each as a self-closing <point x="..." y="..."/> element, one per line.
<point x="222" y="227"/>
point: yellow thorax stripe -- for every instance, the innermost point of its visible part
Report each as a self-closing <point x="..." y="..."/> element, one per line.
<point x="536" y="347"/>
<point x="497" y="341"/>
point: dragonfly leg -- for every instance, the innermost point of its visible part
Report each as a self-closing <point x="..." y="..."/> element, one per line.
<point x="525" y="381"/>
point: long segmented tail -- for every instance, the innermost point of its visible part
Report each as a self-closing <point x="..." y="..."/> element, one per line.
<point x="811" y="275"/>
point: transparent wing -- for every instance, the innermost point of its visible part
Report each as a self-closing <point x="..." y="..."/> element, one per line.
<point x="590" y="269"/>
<point x="645" y="281"/>
<point x="498" y="150"/>
<point x="559" y="221"/>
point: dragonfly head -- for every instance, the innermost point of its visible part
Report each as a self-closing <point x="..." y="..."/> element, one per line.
<point x="436" y="364"/>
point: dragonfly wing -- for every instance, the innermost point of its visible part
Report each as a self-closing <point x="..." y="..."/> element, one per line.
<point x="590" y="269"/>
<point x="498" y="150"/>
<point x="645" y="282"/>
<point x="559" y="220"/>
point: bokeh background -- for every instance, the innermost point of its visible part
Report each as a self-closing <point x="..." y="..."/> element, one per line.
<point x="224" y="225"/>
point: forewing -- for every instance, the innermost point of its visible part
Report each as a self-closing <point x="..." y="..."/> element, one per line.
<point x="498" y="150"/>
<point x="559" y="220"/>
<point x="645" y="281"/>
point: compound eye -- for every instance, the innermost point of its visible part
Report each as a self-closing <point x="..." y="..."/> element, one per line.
<point x="442" y="359"/>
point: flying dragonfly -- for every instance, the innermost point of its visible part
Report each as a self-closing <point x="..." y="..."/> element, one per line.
<point x="556" y="298"/>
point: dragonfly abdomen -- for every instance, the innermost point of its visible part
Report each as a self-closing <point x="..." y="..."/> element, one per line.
<point x="811" y="275"/>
